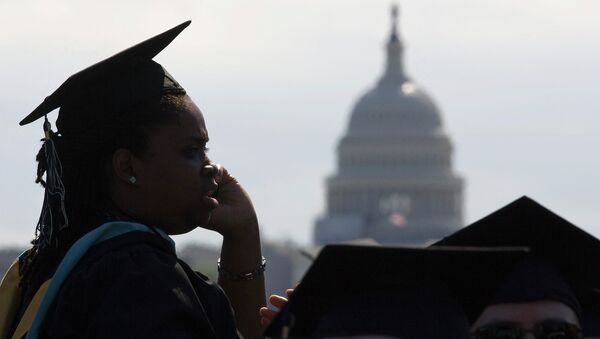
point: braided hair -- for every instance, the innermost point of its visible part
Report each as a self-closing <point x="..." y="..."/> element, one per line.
<point x="86" y="176"/>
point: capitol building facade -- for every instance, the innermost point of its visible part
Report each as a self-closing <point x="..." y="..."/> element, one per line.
<point x="394" y="183"/>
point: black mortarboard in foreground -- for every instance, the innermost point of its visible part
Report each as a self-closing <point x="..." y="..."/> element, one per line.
<point x="112" y="86"/>
<point x="591" y="315"/>
<point x="407" y="292"/>
<point x="562" y="245"/>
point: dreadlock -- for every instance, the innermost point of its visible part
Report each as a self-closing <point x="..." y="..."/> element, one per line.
<point x="85" y="175"/>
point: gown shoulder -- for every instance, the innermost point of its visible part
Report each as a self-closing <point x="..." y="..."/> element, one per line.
<point x="134" y="286"/>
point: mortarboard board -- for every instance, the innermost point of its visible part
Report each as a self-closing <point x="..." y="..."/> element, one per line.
<point x="590" y="322"/>
<point x="551" y="238"/>
<point x="343" y="274"/>
<point x="311" y="252"/>
<point x="111" y="86"/>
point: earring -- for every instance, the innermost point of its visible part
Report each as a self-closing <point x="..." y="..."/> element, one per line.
<point x="132" y="179"/>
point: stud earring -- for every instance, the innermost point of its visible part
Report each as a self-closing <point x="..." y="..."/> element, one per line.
<point x="132" y="179"/>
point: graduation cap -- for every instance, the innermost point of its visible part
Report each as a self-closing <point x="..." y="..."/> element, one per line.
<point x="407" y="292"/>
<point x="570" y="251"/>
<point x="591" y="315"/>
<point x="94" y="102"/>
<point x="106" y="89"/>
<point x="312" y="252"/>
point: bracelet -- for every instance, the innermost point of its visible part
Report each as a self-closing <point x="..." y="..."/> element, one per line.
<point x="242" y="276"/>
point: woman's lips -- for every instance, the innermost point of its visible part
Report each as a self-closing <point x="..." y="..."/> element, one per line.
<point x="209" y="201"/>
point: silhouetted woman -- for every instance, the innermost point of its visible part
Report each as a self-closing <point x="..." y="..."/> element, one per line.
<point x="126" y="168"/>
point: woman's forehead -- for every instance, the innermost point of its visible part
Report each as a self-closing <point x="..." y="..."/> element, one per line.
<point x="189" y="126"/>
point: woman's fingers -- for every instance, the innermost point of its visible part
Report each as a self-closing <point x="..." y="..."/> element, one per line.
<point x="216" y="170"/>
<point x="267" y="313"/>
<point x="235" y="215"/>
<point x="266" y="316"/>
<point x="277" y="301"/>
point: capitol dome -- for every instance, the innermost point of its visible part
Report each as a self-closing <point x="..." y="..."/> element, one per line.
<point x="396" y="106"/>
<point x="394" y="181"/>
<point x="395" y="109"/>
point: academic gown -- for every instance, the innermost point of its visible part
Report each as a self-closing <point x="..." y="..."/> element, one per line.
<point x="134" y="286"/>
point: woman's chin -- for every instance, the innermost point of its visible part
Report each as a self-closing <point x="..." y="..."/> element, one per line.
<point x="191" y="222"/>
<point x="178" y="230"/>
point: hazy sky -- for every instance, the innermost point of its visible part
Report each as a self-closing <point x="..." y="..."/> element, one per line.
<point x="516" y="81"/>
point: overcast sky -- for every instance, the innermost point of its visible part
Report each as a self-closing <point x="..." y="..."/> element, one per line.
<point x="516" y="81"/>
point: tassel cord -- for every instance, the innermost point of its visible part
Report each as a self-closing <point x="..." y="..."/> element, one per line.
<point x="54" y="196"/>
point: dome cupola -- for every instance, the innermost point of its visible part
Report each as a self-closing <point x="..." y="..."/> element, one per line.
<point x="396" y="105"/>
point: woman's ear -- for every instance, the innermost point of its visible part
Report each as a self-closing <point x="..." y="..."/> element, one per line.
<point x="123" y="166"/>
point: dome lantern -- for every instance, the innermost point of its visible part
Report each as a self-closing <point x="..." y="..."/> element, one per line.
<point x="394" y="63"/>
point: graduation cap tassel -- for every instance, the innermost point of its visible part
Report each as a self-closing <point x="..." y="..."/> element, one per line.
<point x="54" y="196"/>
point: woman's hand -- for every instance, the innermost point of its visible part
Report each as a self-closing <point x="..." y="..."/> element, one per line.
<point x="235" y="213"/>
<point x="236" y="220"/>
<point x="267" y="315"/>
